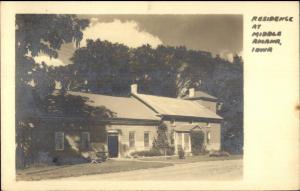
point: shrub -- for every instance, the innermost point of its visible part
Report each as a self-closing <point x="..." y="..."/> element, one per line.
<point x="180" y="152"/>
<point x="137" y="154"/>
<point x="197" y="140"/>
<point x="219" y="154"/>
<point x="152" y="152"/>
<point x="170" y="150"/>
<point x="161" y="143"/>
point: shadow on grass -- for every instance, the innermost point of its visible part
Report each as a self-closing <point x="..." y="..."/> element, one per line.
<point x="85" y="169"/>
<point x="191" y="159"/>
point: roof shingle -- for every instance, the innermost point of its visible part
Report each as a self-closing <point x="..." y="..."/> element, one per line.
<point x="177" y="107"/>
<point x="123" y="107"/>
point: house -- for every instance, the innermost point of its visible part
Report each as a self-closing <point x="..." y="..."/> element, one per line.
<point x="185" y="115"/>
<point x="133" y="127"/>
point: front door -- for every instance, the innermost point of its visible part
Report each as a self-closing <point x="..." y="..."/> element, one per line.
<point x="113" y="146"/>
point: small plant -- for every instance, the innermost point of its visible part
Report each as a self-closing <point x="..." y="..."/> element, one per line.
<point x="219" y="154"/>
<point x="150" y="153"/>
<point x="181" y="152"/>
<point x="197" y="142"/>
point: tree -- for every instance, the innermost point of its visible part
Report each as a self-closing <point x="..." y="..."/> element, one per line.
<point x="170" y="61"/>
<point x="161" y="143"/>
<point x="101" y="67"/>
<point x="67" y="105"/>
<point x="162" y="138"/>
<point x="38" y="34"/>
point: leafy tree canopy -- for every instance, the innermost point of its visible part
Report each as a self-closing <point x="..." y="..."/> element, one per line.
<point x="107" y="68"/>
<point x="36" y="34"/>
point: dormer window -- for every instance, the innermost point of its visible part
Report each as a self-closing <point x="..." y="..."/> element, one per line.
<point x="172" y="122"/>
<point x="219" y="106"/>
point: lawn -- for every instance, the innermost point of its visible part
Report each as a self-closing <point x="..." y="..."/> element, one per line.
<point x="110" y="166"/>
<point x="190" y="159"/>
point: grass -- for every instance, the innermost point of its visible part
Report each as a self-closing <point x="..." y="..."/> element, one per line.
<point x="190" y="159"/>
<point x="110" y="166"/>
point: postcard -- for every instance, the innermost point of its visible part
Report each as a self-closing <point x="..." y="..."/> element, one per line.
<point x="150" y="95"/>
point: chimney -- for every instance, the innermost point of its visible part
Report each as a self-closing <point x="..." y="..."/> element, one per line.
<point x="192" y="92"/>
<point x="134" y="88"/>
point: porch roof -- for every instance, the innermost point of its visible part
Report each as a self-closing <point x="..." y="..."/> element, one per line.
<point x="186" y="128"/>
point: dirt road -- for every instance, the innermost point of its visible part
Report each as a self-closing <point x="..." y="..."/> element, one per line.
<point x="205" y="170"/>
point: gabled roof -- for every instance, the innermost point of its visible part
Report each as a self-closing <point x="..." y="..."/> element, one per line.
<point x="176" y="107"/>
<point x="123" y="107"/>
<point x="201" y="95"/>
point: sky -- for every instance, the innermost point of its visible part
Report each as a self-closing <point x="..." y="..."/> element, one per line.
<point x="218" y="34"/>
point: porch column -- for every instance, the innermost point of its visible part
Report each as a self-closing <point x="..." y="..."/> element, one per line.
<point x="182" y="140"/>
<point x="119" y="145"/>
<point x="190" y="143"/>
<point x="175" y="142"/>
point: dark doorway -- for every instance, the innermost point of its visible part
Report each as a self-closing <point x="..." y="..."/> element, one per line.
<point x="113" y="146"/>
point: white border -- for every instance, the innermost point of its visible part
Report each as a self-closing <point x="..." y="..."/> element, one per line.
<point x="271" y="95"/>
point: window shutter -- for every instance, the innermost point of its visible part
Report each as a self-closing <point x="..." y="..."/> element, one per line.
<point x="131" y="139"/>
<point x="59" y="141"/>
<point x="85" y="140"/>
<point x="146" y="139"/>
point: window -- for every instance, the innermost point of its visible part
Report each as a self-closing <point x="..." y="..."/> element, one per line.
<point x="59" y="141"/>
<point x="131" y="139"/>
<point x="85" y="140"/>
<point x="208" y="137"/>
<point x="146" y="139"/>
<point x="219" y="106"/>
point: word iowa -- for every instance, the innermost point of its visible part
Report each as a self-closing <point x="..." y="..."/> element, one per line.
<point x="268" y="49"/>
